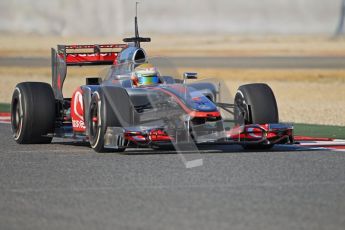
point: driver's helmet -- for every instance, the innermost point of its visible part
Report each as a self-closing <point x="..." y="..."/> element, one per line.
<point x="145" y="74"/>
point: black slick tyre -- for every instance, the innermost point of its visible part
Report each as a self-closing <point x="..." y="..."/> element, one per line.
<point x="33" y="113"/>
<point x="256" y="104"/>
<point x="102" y="115"/>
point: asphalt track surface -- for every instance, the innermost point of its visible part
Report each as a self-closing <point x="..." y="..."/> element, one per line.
<point x="215" y="62"/>
<point x="66" y="185"/>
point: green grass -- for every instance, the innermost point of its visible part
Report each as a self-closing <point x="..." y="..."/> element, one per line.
<point x="4" y="107"/>
<point x="319" y="131"/>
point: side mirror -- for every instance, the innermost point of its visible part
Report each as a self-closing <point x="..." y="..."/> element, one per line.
<point x="189" y="75"/>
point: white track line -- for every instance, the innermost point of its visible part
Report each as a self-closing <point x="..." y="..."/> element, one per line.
<point x="5" y="119"/>
<point x="322" y="143"/>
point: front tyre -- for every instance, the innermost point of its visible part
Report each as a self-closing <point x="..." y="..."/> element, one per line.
<point x="32" y="113"/>
<point x="101" y="117"/>
<point x="256" y="104"/>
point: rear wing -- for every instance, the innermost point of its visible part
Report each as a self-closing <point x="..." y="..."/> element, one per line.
<point x="80" y="55"/>
<point x="89" y="54"/>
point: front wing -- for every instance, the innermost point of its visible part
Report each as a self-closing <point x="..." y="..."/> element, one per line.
<point x="266" y="134"/>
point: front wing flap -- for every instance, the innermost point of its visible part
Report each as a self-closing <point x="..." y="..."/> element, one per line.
<point x="244" y="134"/>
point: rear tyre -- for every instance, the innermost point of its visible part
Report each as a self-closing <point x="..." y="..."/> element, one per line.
<point x="256" y="104"/>
<point x="32" y="113"/>
<point x="102" y="114"/>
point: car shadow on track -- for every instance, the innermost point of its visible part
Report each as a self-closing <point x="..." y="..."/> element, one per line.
<point x="204" y="149"/>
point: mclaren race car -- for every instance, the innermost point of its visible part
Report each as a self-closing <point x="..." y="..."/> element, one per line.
<point x="137" y="104"/>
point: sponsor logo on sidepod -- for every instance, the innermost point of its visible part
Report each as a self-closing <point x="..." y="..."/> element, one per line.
<point x="78" y="109"/>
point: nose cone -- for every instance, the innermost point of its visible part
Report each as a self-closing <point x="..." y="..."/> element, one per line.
<point x="203" y="104"/>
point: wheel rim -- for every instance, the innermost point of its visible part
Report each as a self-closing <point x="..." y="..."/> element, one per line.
<point x="16" y="119"/>
<point x="94" y="121"/>
<point x="240" y="109"/>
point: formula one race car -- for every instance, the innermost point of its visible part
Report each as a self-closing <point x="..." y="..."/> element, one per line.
<point x="138" y="105"/>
